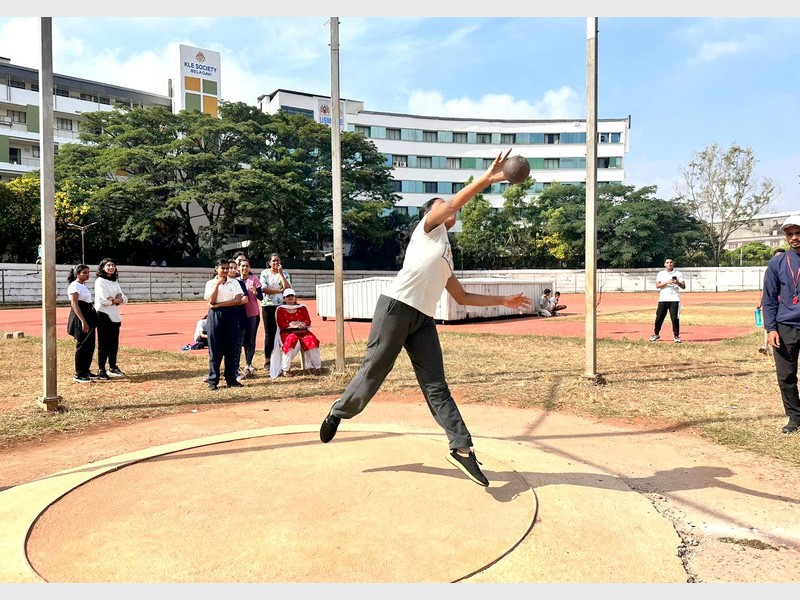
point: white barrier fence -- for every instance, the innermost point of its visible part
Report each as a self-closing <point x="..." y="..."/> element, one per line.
<point x="22" y="283"/>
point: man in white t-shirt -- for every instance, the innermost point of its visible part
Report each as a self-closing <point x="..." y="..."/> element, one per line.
<point x="670" y="283"/>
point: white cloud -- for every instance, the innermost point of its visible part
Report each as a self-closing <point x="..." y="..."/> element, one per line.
<point x="711" y="51"/>
<point x="562" y="103"/>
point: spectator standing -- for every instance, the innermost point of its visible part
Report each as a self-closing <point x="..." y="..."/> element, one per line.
<point x="782" y="319"/>
<point x="669" y="282"/>
<point x="273" y="281"/>
<point x="82" y="322"/>
<point x="765" y="348"/>
<point x="107" y="298"/>
<point x="224" y="298"/>
<point x="252" y="313"/>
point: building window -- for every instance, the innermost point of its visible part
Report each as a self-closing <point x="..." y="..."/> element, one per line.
<point x="34" y="87"/>
<point x="459" y="137"/>
<point x="399" y="160"/>
<point x="429" y="136"/>
<point x="362" y="131"/>
<point x="89" y="97"/>
<point x="15" y="156"/>
<point x="424" y="162"/>
<point x="63" y="124"/>
<point x="397" y="186"/>
<point x="61" y="92"/>
<point x="551" y="138"/>
<point x="392" y="134"/>
<point x="15" y="83"/>
<point x="508" y="138"/>
<point x="551" y="163"/>
<point x="602" y="138"/>
<point x="18" y="116"/>
<point x="102" y="100"/>
<point x="457" y="187"/>
<point x="484" y="138"/>
<point x="36" y="152"/>
<point x="487" y="162"/>
<point x="429" y="187"/>
<point x="453" y="163"/>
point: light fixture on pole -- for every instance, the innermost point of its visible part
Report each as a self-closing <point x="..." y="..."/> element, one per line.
<point x="83" y="229"/>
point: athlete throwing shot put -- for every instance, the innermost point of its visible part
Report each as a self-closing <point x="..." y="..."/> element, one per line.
<point x="404" y="319"/>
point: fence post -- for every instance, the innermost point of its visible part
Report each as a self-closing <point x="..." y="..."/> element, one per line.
<point x="150" y="285"/>
<point x="3" y="283"/>
<point x="180" y="286"/>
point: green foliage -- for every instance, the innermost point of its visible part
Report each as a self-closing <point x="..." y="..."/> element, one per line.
<point x="20" y="234"/>
<point x="751" y="254"/>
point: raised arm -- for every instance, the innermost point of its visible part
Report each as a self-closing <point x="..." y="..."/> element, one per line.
<point x="442" y="211"/>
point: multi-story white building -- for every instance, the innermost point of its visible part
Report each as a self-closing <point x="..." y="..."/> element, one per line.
<point x="72" y="97"/>
<point x="434" y="156"/>
<point x="762" y="228"/>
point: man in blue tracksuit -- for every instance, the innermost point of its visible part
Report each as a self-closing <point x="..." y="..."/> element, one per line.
<point x="782" y="318"/>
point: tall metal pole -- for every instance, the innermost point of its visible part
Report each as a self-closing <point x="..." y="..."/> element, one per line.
<point x="50" y="400"/>
<point x="336" y="170"/>
<point x="591" y="199"/>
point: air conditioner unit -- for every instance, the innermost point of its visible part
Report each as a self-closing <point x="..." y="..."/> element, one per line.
<point x="400" y="163"/>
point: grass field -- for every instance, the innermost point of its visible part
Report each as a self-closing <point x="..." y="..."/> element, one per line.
<point x="724" y="391"/>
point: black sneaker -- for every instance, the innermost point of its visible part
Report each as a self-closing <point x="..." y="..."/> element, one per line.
<point x="328" y="428"/>
<point x="91" y="375"/>
<point x="212" y="386"/>
<point x="101" y="374"/>
<point x="115" y="372"/>
<point x="235" y="384"/>
<point x="80" y="379"/>
<point x="790" y="427"/>
<point x="469" y="466"/>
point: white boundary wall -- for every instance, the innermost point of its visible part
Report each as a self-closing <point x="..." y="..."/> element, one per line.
<point x="22" y="283"/>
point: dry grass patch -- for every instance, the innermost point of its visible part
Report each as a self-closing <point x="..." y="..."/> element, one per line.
<point x="725" y="391"/>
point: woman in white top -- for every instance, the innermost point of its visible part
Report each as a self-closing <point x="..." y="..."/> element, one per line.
<point x="107" y="298"/>
<point x="82" y="322"/>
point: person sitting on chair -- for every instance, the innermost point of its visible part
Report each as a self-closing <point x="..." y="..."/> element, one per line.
<point x="294" y="335"/>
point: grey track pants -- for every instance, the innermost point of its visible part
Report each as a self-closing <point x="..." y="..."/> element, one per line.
<point x="395" y="326"/>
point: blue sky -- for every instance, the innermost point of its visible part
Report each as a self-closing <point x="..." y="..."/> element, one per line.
<point x="685" y="81"/>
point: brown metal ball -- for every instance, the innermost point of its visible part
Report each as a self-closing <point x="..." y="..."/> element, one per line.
<point x="516" y="169"/>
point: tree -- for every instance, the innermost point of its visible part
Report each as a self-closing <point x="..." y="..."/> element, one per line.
<point x="20" y="233"/>
<point x="751" y="254"/>
<point x="720" y="189"/>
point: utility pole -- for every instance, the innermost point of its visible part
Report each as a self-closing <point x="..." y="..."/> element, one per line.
<point x="591" y="201"/>
<point x="50" y="400"/>
<point x="336" y="170"/>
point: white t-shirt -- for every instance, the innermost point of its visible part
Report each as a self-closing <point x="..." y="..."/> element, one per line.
<point x="227" y="291"/>
<point x="84" y="295"/>
<point x="427" y="266"/>
<point x="672" y="291"/>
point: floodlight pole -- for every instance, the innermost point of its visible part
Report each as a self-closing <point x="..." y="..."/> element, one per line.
<point x="336" y="171"/>
<point x="83" y="229"/>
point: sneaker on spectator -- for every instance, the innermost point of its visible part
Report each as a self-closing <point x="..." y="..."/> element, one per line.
<point x="655" y="337"/>
<point x="80" y="379"/>
<point x="469" y="466"/>
<point x="115" y="372"/>
<point x="101" y="374"/>
<point x="91" y="375"/>
<point x="676" y="339"/>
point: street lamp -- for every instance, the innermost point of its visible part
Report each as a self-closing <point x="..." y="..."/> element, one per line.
<point x="83" y="229"/>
